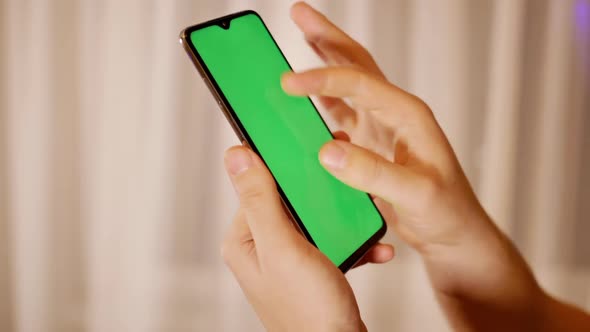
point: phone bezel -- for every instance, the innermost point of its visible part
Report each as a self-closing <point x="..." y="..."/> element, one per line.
<point x="242" y="134"/>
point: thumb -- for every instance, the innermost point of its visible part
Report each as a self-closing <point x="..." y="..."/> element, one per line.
<point x="368" y="171"/>
<point x="259" y="199"/>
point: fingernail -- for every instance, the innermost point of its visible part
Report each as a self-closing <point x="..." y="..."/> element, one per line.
<point x="333" y="156"/>
<point x="238" y="160"/>
<point x="288" y="82"/>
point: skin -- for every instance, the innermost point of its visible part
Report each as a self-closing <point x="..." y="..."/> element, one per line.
<point x="392" y="147"/>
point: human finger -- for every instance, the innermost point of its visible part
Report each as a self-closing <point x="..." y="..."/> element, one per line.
<point x="338" y="110"/>
<point x="332" y="44"/>
<point x="364" y="90"/>
<point x="259" y="199"/>
<point x="368" y="171"/>
<point x="378" y="254"/>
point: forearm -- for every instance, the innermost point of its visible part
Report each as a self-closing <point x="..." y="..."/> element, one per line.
<point x="467" y="314"/>
<point x="483" y="283"/>
<point x="500" y="292"/>
<point x="545" y="314"/>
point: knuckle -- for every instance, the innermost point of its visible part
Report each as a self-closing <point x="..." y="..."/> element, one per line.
<point x="359" y="76"/>
<point x="230" y="244"/>
<point x="353" y="74"/>
<point x="358" y="80"/>
<point x="252" y="197"/>
<point x="367" y="88"/>
<point x="253" y="188"/>
<point x="418" y="105"/>
<point x="360" y="49"/>
<point x="373" y="173"/>
<point x="362" y="80"/>
<point x="368" y="60"/>
<point x="327" y="81"/>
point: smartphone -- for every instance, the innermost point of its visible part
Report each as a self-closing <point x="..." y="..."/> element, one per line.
<point x="242" y="65"/>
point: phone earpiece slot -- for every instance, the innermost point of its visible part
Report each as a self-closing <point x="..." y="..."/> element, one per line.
<point x="225" y="24"/>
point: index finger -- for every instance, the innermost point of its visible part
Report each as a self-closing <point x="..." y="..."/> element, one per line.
<point x="364" y="90"/>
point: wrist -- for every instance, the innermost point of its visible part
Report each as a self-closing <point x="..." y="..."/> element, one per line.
<point x="481" y="262"/>
<point x="483" y="280"/>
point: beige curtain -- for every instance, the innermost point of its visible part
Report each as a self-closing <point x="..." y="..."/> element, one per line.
<point x="113" y="200"/>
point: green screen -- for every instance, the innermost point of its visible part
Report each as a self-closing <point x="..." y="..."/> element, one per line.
<point x="288" y="133"/>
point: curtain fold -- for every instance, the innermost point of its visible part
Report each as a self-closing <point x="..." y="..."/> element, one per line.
<point x="113" y="198"/>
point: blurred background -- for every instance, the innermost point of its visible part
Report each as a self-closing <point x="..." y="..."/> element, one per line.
<point x="113" y="200"/>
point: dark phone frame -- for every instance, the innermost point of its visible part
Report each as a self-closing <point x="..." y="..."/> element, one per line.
<point x="224" y="22"/>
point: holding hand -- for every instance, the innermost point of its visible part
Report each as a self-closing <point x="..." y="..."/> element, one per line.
<point x="291" y="285"/>
<point x="400" y="154"/>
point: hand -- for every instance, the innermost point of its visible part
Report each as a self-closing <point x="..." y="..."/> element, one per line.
<point x="383" y="119"/>
<point x="291" y="285"/>
<point x="401" y="155"/>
